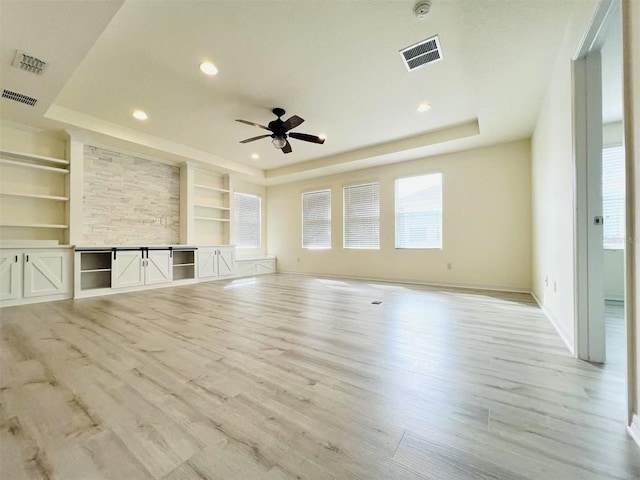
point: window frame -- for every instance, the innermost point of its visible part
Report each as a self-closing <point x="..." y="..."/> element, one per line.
<point x="395" y="211"/>
<point x="621" y="245"/>
<point x="344" y="216"/>
<point x="330" y="218"/>
<point x="235" y="220"/>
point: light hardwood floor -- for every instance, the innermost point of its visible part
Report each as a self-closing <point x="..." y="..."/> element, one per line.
<point x="294" y="377"/>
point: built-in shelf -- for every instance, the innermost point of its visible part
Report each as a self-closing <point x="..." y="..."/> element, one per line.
<point x="210" y="219"/>
<point x="201" y="205"/>
<point x="96" y="270"/>
<point x="29" y="156"/>
<point x="215" y="189"/>
<point x="37" y="196"/>
<point x="18" y="163"/>
<point x="33" y="225"/>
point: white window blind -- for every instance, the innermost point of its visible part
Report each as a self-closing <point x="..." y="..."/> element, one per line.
<point x="613" y="194"/>
<point x="362" y="216"/>
<point x="316" y="219"/>
<point x="247" y="219"/>
<point x="419" y="211"/>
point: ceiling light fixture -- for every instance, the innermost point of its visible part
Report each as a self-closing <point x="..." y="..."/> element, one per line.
<point x="279" y="141"/>
<point x="423" y="107"/>
<point x="208" y="68"/>
<point x="255" y="156"/>
<point x="140" y="115"/>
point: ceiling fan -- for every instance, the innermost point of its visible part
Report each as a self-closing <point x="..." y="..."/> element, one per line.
<point x="279" y="129"/>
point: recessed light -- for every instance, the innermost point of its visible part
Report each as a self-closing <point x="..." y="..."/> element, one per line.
<point x="423" y="107"/>
<point x="208" y="68"/>
<point x="140" y="115"/>
<point x="255" y="156"/>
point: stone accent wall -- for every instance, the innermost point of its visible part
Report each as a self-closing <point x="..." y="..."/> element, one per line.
<point x="129" y="200"/>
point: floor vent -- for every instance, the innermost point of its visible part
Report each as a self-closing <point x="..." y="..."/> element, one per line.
<point x="423" y="53"/>
<point x="29" y="63"/>
<point x="18" y="97"/>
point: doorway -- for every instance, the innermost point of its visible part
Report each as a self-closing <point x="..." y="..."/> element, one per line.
<point x="600" y="197"/>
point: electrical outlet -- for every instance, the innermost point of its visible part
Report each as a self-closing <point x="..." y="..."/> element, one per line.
<point x="555" y="287"/>
<point x="298" y="259"/>
<point x="449" y="266"/>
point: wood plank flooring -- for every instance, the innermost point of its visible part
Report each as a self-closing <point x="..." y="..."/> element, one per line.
<point x="293" y="377"/>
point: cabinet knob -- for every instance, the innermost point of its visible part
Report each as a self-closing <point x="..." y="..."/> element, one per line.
<point x="16" y="261"/>
<point x="27" y="258"/>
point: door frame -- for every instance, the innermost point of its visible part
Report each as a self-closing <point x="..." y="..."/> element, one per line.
<point x="587" y="96"/>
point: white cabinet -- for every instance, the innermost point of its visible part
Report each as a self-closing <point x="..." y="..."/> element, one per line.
<point x="133" y="268"/>
<point x="158" y="267"/>
<point x="126" y="269"/>
<point x="216" y="261"/>
<point x="47" y="272"/>
<point x="248" y="266"/>
<point x="28" y="275"/>
<point x="10" y="274"/>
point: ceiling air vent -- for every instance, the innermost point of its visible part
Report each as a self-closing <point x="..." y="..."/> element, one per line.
<point x="29" y="63"/>
<point x="18" y="97"/>
<point x="427" y="51"/>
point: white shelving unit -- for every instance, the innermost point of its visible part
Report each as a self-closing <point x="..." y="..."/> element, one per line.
<point x="211" y="208"/>
<point x="34" y="197"/>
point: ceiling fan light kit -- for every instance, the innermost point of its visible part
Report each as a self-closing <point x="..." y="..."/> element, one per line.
<point x="279" y="129"/>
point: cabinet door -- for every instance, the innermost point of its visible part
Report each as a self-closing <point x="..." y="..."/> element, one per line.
<point x="47" y="272"/>
<point x="126" y="269"/>
<point x="10" y="273"/>
<point x="207" y="262"/>
<point x="158" y="267"/>
<point x="226" y="261"/>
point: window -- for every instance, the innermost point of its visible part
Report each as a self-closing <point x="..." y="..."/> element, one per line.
<point x="362" y="216"/>
<point x="419" y="211"/>
<point x="248" y="215"/>
<point x="613" y="187"/>
<point x="316" y="219"/>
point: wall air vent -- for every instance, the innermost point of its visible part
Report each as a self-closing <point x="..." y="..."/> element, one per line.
<point x="19" y="97"/>
<point x="423" y="53"/>
<point x="29" y="63"/>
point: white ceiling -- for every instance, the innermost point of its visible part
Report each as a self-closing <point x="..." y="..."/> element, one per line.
<point x="334" y="63"/>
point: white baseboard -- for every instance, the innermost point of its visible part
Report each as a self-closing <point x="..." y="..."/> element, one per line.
<point x="460" y="286"/>
<point x="553" y="322"/>
<point x="634" y="429"/>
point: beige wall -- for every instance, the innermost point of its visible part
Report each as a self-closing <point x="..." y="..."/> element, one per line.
<point x="552" y="185"/>
<point x="486" y="223"/>
<point x="242" y="186"/>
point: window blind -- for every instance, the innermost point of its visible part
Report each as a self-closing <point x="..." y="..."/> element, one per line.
<point x="316" y="219"/>
<point x="248" y="213"/>
<point x="418" y="211"/>
<point x="613" y="195"/>
<point x="362" y="216"/>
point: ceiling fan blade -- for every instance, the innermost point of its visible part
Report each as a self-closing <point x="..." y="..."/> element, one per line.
<point x="293" y="122"/>
<point x="253" y="124"/>
<point x="254" y="138"/>
<point x="286" y="148"/>
<point x="306" y="137"/>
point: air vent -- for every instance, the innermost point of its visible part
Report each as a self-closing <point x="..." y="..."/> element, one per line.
<point x="29" y="63"/>
<point x="18" y="97"/>
<point x="423" y="53"/>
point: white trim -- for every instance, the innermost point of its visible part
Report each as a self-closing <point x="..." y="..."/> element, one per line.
<point x="553" y="322"/>
<point x="634" y="429"/>
<point x="459" y="286"/>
